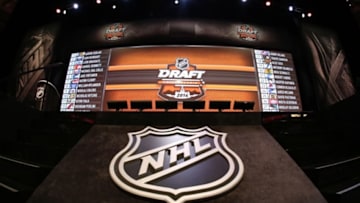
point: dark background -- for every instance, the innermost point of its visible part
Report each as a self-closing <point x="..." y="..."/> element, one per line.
<point x="336" y="16"/>
<point x="324" y="144"/>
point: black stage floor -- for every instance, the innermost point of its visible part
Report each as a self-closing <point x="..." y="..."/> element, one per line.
<point x="270" y="174"/>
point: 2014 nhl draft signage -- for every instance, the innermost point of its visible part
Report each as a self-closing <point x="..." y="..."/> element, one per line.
<point x="176" y="164"/>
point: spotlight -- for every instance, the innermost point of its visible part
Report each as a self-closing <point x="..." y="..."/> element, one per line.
<point x="268" y="3"/>
<point x="176" y="2"/>
<point x="291" y="8"/>
<point x="309" y="14"/>
<point x="58" y="10"/>
<point x="75" y="5"/>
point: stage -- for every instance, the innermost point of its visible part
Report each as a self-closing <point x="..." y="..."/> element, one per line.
<point x="268" y="175"/>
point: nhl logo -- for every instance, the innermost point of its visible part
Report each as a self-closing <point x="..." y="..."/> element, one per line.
<point x="176" y="164"/>
<point x="181" y="81"/>
<point x="182" y="63"/>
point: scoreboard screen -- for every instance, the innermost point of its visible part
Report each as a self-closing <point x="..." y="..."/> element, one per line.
<point x="217" y="77"/>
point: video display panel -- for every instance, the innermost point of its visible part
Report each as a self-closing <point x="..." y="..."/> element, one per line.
<point x="116" y="79"/>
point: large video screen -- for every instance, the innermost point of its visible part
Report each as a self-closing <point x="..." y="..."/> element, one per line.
<point x="181" y="78"/>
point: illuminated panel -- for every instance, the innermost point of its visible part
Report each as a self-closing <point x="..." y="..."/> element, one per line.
<point x="279" y="89"/>
<point x="181" y="74"/>
<point x="85" y="81"/>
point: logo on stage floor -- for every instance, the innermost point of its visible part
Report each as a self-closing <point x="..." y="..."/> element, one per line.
<point x="181" y="81"/>
<point x="176" y="164"/>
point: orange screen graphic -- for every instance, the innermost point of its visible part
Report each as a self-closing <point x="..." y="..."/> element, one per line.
<point x="219" y="73"/>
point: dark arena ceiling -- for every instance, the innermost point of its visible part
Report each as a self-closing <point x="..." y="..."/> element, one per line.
<point x="90" y="11"/>
<point x="18" y="16"/>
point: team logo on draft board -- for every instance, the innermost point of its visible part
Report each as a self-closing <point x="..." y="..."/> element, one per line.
<point x="181" y="81"/>
<point x="176" y="165"/>
<point x="247" y="32"/>
<point x="114" y="31"/>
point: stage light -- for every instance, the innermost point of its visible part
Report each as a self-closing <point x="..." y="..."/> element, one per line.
<point x="98" y="1"/>
<point x="268" y="3"/>
<point x="75" y="5"/>
<point x="176" y="2"/>
<point x="309" y="14"/>
<point x="64" y="12"/>
<point x="244" y="1"/>
<point x="114" y="6"/>
<point x="295" y="115"/>
<point x="303" y="15"/>
<point x="291" y="8"/>
<point x="58" y="10"/>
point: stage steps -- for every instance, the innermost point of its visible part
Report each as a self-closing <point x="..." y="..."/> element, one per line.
<point x="326" y="147"/>
<point x="334" y="172"/>
<point x="19" y="178"/>
<point x="14" y="192"/>
<point x="339" y="180"/>
<point x="31" y="149"/>
<point x="20" y="170"/>
<point x="343" y="192"/>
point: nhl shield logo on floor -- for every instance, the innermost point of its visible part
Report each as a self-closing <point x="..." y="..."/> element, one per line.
<point x="176" y="164"/>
